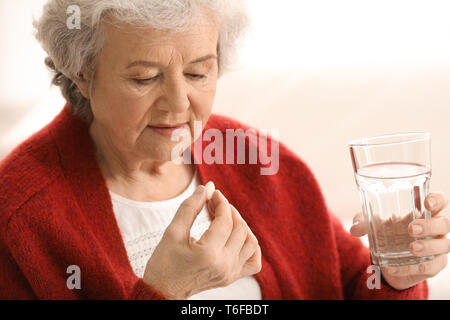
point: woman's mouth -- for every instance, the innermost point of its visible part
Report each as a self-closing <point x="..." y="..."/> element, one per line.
<point x="166" y="130"/>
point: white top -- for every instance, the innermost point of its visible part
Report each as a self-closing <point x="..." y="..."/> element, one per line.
<point x="142" y="225"/>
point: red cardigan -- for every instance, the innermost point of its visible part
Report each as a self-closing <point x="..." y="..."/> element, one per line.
<point x="55" y="211"/>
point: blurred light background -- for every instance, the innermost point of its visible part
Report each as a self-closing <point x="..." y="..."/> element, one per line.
<point x="321" y="71"/>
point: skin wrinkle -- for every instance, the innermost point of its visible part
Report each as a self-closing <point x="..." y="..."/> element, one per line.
<point x="133" y="158"/>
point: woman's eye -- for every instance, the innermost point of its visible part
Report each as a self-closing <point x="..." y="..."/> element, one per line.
<point x="149" y="80"/>
<point x="196" y="76"/>
<point x="145" y="81"/>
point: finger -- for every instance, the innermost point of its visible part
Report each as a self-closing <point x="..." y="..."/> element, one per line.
<point x="408" y="281"/>
<point x="249" y="248"/>
<point x="208" y="206"/>
<point x="359" y="227"/>
<point x="216" y="199"/>
<point x="422" y="248"/>
<point x="253" y="264"/>
<point x="238" y="234"/>
<point x="220" y="228"/>
<point x="250" y="244"/>
<point x="187" y="212"/>
<point x="435" y="202"/>
<point x="427" y="269"/>
<point x="435" y="226"/>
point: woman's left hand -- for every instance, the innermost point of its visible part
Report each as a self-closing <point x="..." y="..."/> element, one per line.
<point x="437" y="227"/>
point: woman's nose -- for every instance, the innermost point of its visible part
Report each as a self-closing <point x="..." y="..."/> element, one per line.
<point x="175" y="95"/>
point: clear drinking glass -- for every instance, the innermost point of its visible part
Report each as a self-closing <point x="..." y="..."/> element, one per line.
<point x="393" y="177"/>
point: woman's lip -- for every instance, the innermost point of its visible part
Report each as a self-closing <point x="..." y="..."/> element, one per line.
<point x="166" y="131"/>
<point x="166" y="126"/>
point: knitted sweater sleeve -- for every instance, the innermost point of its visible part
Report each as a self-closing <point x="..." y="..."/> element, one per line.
<point x="354" y="260"/>
<point x="13" y="284"/>
<point x="142" y="291"/>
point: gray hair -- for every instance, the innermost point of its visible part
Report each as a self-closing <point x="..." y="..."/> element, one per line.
<point x="72" y="51"/>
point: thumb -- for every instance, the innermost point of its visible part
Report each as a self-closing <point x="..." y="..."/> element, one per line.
<point x="189" y="209"/>
<point x="359" y="227"/>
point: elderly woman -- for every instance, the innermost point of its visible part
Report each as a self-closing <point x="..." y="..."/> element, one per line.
<point x="93" y="206"/>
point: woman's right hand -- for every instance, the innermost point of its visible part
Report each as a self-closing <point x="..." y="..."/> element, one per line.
<point x="228" y="250"/>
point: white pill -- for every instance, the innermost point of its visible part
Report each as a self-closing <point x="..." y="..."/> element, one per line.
<point x="210" y="190"/>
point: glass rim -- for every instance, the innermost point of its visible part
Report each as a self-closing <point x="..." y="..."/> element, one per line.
<point x="403" y="137"/>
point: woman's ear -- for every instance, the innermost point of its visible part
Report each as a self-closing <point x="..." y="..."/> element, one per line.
<point x="83" y="85"/>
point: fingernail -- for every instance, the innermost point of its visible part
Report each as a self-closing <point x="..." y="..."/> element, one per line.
<point x="356" y="222"/>
<point x="417" y="229"/>
<point x="417" y="246"/>
<point x="209" y="190"/>
<point x="432" y="202"/>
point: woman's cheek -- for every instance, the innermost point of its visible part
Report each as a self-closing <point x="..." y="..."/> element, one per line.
<point x="202" y="104"/>
<point x="131" y="91"/>
<point x="128" y="100"/>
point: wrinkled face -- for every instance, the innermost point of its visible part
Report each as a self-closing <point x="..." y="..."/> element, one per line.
<point x="149" y="77"/>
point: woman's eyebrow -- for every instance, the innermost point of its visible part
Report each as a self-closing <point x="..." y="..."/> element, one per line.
<point x="204" y="58"/>
<point x="143" y="63"/>
<point x="155" y="64"/>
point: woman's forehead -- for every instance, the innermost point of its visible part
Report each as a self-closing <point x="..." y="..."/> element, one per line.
<point x="135" y="43"/>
